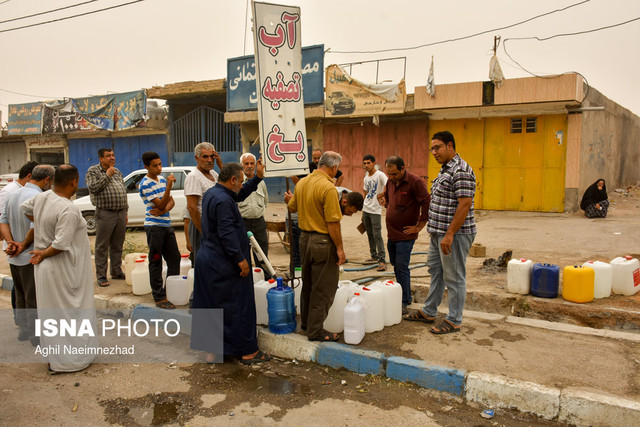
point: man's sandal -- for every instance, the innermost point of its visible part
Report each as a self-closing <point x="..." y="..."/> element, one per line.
<point x="382" y="267"/>
<point x="445" y="327"/>
<point x="325" y="336"/>
<point x="419" y="316"/>
<point x="166" y="304"/>
<point x="258" y="358"/>
<point x="103" y="283"/>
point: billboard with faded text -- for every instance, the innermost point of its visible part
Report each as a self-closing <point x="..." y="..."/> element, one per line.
<point x="25" y="119"/>
<point x="241" y="79"/>
<point x="283" y="141"/>
<point x="348" y="97"/>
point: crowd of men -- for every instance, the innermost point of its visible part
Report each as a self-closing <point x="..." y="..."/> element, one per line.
<point x="45" y="236"/>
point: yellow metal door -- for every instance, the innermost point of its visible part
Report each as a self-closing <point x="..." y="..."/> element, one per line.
<point x="524" y="163"/>
<point x="468" y="134"/>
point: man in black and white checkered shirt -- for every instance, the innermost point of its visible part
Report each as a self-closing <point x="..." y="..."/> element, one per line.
<point x="109" y="195"/>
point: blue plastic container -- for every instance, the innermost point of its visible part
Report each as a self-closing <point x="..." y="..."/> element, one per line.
<point x="281" y="308"/>
<point x="545" y="279"/>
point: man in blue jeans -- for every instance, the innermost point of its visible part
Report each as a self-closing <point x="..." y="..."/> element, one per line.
<point x="452" y="228"/>
<point x="407" y="201"/>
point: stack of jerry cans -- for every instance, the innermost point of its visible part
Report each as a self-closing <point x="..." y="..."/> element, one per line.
<point x="545" y="280"/>
<point x="578" y="283"/>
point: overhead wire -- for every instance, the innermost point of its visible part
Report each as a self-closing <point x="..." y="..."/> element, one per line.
<point x="462" y="37"/>
<point x="26" y="94"/>
<point x="593" y="30"/>
<point x="48" y="11"/>
<point x="72" y="16"/>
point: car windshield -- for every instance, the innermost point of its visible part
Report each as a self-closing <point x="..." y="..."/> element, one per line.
<point x="133" y="182"/>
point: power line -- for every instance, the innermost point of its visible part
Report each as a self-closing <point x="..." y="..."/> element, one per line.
<point x="5" y="1"/>
<point x="26" y="94"/>
<point x="504" y="42"/>
<point x="463" y="37"/>
<point x="48" y="11"/>
<point x="72" y="16"/>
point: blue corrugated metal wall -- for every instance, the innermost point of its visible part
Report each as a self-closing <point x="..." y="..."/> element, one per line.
<point x="83" y="152"/>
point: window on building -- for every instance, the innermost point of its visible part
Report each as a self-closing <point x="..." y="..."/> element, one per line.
<point x="516" y="125"/>
<point x="532" y="124"/>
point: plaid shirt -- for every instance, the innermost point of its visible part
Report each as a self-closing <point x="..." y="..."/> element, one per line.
<point x="456" y="179"/>
<point x="104" y="192"/>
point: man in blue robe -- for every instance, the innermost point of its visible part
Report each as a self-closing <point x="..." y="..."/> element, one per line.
<point x="223" y="278"/>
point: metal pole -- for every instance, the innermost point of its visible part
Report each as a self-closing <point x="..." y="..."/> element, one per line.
<point x="290" y="231"/>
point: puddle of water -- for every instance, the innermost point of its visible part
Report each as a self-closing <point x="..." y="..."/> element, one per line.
<point x="155" y="414"/>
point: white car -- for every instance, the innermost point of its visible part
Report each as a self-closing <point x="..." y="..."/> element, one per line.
<point x="136" y="205"/>
<point x="7" y="178"/>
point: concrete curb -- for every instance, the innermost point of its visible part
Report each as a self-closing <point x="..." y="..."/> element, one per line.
<point x="569" y="405"/>
<point x="352" y="358"/>
<point x="501" y="392"/>
<point x="582" y="407"/>
<point x="424" y="375"/>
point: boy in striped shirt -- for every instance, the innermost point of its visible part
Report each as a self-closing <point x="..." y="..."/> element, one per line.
<point x="155" y="192"/>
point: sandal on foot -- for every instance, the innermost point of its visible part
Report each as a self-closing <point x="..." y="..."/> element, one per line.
<point x="258" y="358"/>
<point x="325" y="336"/>
<point x="370" y="261"/>
<point x="445" y="327"/>
<point x="166" y="304"/>
<point x="118" y="276"/>
<point x="382" y="267"/>
<point x="103" y="283"/>
<point x="419" y="316"/>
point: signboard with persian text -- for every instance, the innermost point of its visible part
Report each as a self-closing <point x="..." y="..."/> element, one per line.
<point x="241" y="78"/>
<point x="278" y="54"/>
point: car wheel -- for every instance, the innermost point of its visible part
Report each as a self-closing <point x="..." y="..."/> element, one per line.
<point x="90" y="217"/>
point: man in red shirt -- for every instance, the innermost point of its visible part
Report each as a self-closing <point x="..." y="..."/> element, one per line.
<point x="407" y="201"/>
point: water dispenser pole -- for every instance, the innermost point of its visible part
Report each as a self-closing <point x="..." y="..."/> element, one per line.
<point x="261" y="256"/>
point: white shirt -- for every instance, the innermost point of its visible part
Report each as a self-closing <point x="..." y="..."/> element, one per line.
<point x="197" y="184"/>
<point x="255" y="205"/>
<point x="11" y="187"/>
<point x="373" y="185"/>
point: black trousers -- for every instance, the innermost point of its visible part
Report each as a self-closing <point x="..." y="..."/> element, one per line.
<point x="258" y="226"/>
<point x="162" y="244"/>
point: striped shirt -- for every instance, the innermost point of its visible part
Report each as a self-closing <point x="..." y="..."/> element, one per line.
<point x="106" y="192"/>
<point x="455" y="180"/>
<point x="149" y="190"/>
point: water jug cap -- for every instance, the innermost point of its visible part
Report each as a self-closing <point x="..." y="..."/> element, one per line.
<point x="357" y="293"/>
<point x="365" y="289"/>
<point x="184" y="277"/>
<point x="257" y="270"/>
<point x="139" y="260"/>
<point x="523" y="259"/>
<point x="628" y="257"/>
<point x="280" y="282"/>
<point x="143" y="256"/>
<point x="589" y="262"/>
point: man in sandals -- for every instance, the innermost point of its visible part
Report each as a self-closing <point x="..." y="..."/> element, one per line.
<point x="155" y="192"/>
<point x="452" y="228"/>
<point x="109" y="196"/>
<point x="407" y="201"/>
<point x="316" y="201"/>
<point x="374" y="183"/>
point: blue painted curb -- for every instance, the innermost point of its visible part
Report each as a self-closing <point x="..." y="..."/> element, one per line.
<point x="147" y="312"/>
<point x="428" y="376"/>
<point x="354" y="359"/>
<point x="7" y="283"/>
